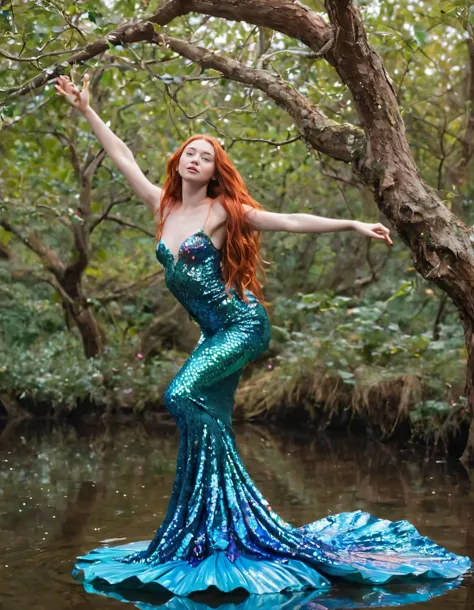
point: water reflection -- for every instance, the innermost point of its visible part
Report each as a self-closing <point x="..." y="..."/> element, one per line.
<point x="370" y="597"/>
<point x="64" y="490"/>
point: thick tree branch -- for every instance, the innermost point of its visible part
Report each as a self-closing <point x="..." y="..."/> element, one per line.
<point x="285" y="16"/>
<point x="81" y="230"/>
<point x="344" y="142"/>
<point x="48" y="257"/>
<point x="361" y="69"/>
<point x="343" y="44"/>
<point x="125" y="34"/>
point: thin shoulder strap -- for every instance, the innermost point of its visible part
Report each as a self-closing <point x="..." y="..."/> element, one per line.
<point x="208" y="212"/>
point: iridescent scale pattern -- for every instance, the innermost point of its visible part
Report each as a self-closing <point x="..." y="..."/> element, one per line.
<point x="219" y="530"/>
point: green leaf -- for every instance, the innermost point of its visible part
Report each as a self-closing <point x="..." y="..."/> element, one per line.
<point x="404" y="289"/>
<point x="420" y="34"/>
<point x="93" y="272"/>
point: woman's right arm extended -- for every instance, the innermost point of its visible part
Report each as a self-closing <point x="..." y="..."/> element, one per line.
<point x="119" y="152"/>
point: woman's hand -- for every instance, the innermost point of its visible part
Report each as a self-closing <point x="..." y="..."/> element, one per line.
<point x="78" y="99"/>
<point x="377" y="231"/>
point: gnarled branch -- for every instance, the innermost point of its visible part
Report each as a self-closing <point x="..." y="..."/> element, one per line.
<point x="344" y="142"/>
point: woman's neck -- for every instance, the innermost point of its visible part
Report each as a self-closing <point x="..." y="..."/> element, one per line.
<point x="192" y="197"/>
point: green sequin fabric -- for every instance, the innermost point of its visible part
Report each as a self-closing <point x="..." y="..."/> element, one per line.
<point x="219" y="530"/>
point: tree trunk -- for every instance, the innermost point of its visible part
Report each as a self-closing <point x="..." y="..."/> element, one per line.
<point x="468" y="454"/>
<point x="92" y="334"/>
<point x="78" y="309"/>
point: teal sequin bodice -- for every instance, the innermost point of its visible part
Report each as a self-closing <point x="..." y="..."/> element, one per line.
<point x="196" y="281"/>
<point x="218" y="529"/>
<point x="233" y="332"/>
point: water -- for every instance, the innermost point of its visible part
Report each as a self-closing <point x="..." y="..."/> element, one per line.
<point x="64" y="490"/>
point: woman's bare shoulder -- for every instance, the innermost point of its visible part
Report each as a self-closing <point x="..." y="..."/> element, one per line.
<point x="219" y="212"/>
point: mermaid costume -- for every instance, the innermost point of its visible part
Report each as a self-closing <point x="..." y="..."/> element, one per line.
<point x="219" y="530"/>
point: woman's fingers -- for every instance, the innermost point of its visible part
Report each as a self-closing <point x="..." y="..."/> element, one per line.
<point x="63" y="81"/>
<point x="62" y="91"/>
<point x="87" y="82"/>
<point x="382" y="233"/>
<point x="67" y="85"/>
<point x="381" y="227"/>
<point x="60" y="88"/>
<point x="377" y="231"/>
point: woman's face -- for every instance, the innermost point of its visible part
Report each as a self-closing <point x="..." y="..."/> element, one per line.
<point x="197" y="162"/>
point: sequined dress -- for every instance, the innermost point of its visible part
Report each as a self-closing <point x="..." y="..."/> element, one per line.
<point x="219" y="530"/>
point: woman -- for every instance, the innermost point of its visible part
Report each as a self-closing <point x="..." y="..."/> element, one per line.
<point x="219" y="530"/>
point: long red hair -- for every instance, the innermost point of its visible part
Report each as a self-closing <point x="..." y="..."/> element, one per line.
<point x="240" y="254"/>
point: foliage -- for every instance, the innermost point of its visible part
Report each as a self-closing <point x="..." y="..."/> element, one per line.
<point x="56" y="373"/>
<point x="348" y="334"/>
<point x="338" y="301"/>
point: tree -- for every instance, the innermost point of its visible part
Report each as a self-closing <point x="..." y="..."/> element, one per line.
<point x="374" y="144"/>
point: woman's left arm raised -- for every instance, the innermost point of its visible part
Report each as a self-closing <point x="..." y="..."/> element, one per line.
<point x="261" y="220"/>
